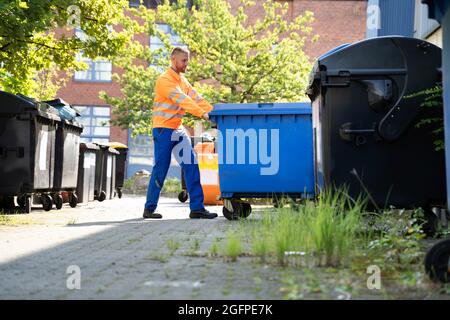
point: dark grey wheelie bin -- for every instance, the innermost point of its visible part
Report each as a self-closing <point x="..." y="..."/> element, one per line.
<point x="365" y="122"/>
<point x="27" y="151"/>
<point x="120" y="166"/>
<point x="66" y="162"/>
<point x="67" y="140"/>
<point x="86" y="172"/>
<point x="105" y="173"/>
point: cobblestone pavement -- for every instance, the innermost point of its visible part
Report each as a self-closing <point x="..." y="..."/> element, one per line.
<point x="119" y="255"/>
<point x="122" y="256"/>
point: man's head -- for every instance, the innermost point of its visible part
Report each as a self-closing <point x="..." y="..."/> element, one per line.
<point x="179" y="59"/>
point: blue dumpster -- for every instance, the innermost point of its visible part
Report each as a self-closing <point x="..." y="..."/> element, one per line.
<point x="265" y="151"/>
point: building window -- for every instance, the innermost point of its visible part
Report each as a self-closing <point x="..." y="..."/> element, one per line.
<point x="156" y="43"/>
<point x="96" y="123"/>
<point x="140" y="150"/>
<point x="98" y="70"/>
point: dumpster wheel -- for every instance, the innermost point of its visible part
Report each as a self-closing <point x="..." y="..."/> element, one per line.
<point x="47" y="202"/>
<point x="437" y="261"/>
<point x="240" y="210"/>
<point x="58" y="200"/>
<point x="119" y="193"/>
<point x="183" y="196"/>
<point x="73" y="200"/>
<point x="102" y="196"/>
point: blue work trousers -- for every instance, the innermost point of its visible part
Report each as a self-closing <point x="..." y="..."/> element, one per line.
<point x="165" y="141"/>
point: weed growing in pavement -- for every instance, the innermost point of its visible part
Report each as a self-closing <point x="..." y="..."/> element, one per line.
<point x="337" y="231"/>
<point x="233" y="246"/>
<point x="195" y="246"/>
<point x="326" y="230"/>
<point x="173" y="245"/>
<point x="214" y="249"/>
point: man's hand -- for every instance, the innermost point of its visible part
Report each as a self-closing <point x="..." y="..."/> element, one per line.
<point x="205" y="116"/>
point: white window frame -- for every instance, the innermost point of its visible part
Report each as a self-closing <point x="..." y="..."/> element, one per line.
<point x="99" y="70"/>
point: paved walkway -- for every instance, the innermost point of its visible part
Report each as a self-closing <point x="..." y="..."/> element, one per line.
<point x="122" y="256"/>
<point x="110" y="252"/>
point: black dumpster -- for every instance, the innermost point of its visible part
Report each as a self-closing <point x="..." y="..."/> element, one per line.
<point x="66" y="154"/>
<point x="121" y="160"/>
<point x="27" y="150"/>
<point x="105" y="172"/>
<point x="86" y="172"/>
<point x="365" y="122"/>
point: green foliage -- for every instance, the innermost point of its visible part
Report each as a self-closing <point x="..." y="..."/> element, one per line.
<point x="233" y="246"/>
<point x="432" y="99"/>
<point x="325" y="231"/>
<point x="398" y="246"/>
<point x="173" y="245"/>
<point x="214" y="249"/>
<point x="171" y="185"/>
<point x="29" y="44"/>
<point x="231" y="60"/>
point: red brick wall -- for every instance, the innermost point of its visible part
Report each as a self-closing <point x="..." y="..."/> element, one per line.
<point x="336" y="22"/>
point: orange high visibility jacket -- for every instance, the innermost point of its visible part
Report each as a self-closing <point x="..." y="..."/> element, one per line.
<point x="174" y="96"/>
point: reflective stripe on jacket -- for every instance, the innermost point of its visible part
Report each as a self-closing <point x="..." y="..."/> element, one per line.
<point x="174" y="96"/>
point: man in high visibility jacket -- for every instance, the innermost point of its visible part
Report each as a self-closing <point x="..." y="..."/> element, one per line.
<point x="174" y="96"/>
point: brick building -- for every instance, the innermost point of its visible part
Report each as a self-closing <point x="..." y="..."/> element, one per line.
<point x="336" y="22"/>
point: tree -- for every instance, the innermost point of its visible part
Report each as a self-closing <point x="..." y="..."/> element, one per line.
<point x="231" y="60"/>
<point x="29" y="44"/>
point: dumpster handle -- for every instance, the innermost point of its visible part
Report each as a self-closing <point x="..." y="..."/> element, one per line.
<point x="324" y="83"/>
<point x="336" y="85"/>
<point x="347" y="132"/>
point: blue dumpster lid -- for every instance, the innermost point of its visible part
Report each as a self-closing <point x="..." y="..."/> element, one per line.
<point x="261" y="108"/>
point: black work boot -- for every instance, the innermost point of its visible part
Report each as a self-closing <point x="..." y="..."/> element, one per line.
<point x="202" y="214"/>
<point x="149" y="214"/>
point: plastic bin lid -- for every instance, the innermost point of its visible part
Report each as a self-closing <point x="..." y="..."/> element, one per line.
<point x="59" y="103"/>
<point x="107" y="148"/>
<point x="18" y="103"/>
<point x="117" y="145"/>
<point x="89" y="146"/>
<point x="268" y="108"/>
<point x="334" y="50"/>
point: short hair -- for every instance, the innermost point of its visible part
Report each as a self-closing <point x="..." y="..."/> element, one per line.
<point x="178" y="50"/>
